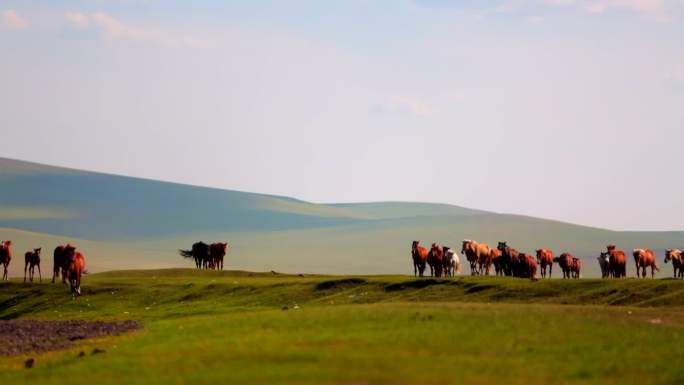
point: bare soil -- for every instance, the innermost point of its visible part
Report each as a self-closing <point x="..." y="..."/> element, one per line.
<point x="24" y="336"/>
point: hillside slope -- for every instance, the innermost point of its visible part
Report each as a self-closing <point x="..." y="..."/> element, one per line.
<point x="127" y="222"/>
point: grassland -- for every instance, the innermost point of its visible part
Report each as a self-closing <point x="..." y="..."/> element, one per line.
<point x="231" y="327"/>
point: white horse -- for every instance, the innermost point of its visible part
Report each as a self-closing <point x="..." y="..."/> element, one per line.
<point x="455" y="261"/>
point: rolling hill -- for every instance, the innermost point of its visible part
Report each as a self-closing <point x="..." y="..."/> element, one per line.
<point x="124" y="222"/>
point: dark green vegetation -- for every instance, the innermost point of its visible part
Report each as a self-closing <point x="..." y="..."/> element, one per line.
<point x="122" y="222"/>
<point x="211" y="327"/>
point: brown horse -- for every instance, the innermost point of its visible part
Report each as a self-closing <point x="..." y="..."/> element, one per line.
<point x="617" y="262"/>
<point x="675" y="255"/>
<point x="5" y="257"/>
<point x="420" y="255"/>
<point x="217" y="251"/>
<point x="644" y="258"/>
<point x="60" y="261"/>
<point x="473" y="252"/>
<point x="495" y="256"/>
<point x="576" y="267"/>
<point x="484" y="262"/>
<point x="527" y="266"/>
<point x="31" y="260"/>
<point x="435" y="260"/>
<point x="565" y="263"/>
<point x="508" y="256"/>
<point x="75" y="269"/>
<point x="545" y="259"/>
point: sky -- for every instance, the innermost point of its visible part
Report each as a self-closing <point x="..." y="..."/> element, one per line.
<point x="563" y="109"/>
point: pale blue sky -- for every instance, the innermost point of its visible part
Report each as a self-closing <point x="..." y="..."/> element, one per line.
<point x="564" y="109"/>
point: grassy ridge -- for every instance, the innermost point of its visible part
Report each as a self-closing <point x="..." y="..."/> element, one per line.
<point x="208" y="327"/>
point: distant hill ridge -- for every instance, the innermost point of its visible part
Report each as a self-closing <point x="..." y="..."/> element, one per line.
<point x="130" y="222"/>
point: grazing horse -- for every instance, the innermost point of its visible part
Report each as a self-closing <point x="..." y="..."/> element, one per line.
<point x="420" y="255"/>
<point x="565" y="263"/>
<point x="495" y="256"/>
<point x="31" y="260"/>
<point x="644" y="258"/>
<point x="473" y="252"/>
<point x="675" y="255"/>
<point x="604" y="263"/>
<point x="508" y="254"/>
<point x="576" y="267"/>
<point x="216" y="253"/>
<point x="5" y="257"/>
<point x="617" y="262"/>
<point x="545" y="259"/>
<point x="435" y="260"/>
<point x="526" y="266"/>
<point x="199" y="252"/>
<point x="60" y="261"/>
<point x="75" y="269"/>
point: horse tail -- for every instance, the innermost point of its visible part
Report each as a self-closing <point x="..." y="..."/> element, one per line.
<point x="185" y="253"/>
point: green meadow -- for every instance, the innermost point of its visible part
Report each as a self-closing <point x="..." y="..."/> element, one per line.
<point x="202" y="327"/>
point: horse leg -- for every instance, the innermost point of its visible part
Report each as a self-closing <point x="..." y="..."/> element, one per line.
<point x="40" y="275"/>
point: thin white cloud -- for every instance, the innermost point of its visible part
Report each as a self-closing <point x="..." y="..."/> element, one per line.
<point x="113" y="29"/>
<point x="10" y="19"/>
<point x="77" y="19"/>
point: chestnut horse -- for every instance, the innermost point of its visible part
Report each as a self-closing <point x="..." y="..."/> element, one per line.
<point x="435" y="260"/>
<point x="473" y="252"/>
<point x="526" y="266"/>
<point x="644" y="258"/>
<point x="484" y="262"/>
<point x="216" y="253"/>
<point x="675" y="255"/>
<point x="5" y="257"/>
<point x="495" y="256"/>
<point x="565" y="263"/>
<point x="617" y="262"/>
<point x="75" y="269"/>
<point x="420" y="255"/>
<point x="545" y="259"/>
<point x="31" y="260"/>
<point x="576" y="267"/>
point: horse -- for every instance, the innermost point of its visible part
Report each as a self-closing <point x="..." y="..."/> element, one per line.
<point x="604" y="263"/>
<point x="507" y="255"/>
<point x="484" y="262"/>
<point x="617" y="262"/>
<point x="216" y="253"/>
<point x="644" y="258"/>
<point x="565" y="263"/>
<point x="473" y="252"/>
<point x="447" y="261"/>
<point x="31" y="260"/>
<point x="75" y="269"/>
<point x="576" y="267"/>
<point x="435" y="260"/>
<point x="5" y="257"/>
<point x="526" y="266"/>
<point x="675" y="255"/>
<point x="545" y="259"/>
<point x="419" y="255"/>
<point x="495" y="256"/>
<point x="455" y="267"/>
<point x="199" y="252"/>
<point x="60" y="261"/>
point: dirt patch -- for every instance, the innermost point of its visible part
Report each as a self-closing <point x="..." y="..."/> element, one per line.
<point x="340" y="283"/>
<point x="414" y="284"/>
<point x="23" y="336"/>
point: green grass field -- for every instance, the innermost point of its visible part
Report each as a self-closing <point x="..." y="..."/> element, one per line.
<point x="230" y="327"/>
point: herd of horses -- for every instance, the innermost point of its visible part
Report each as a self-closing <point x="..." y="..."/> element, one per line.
<point x="508" y="261"/>
<point x="68" y="262"/>
<point x="207" y="256"/>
